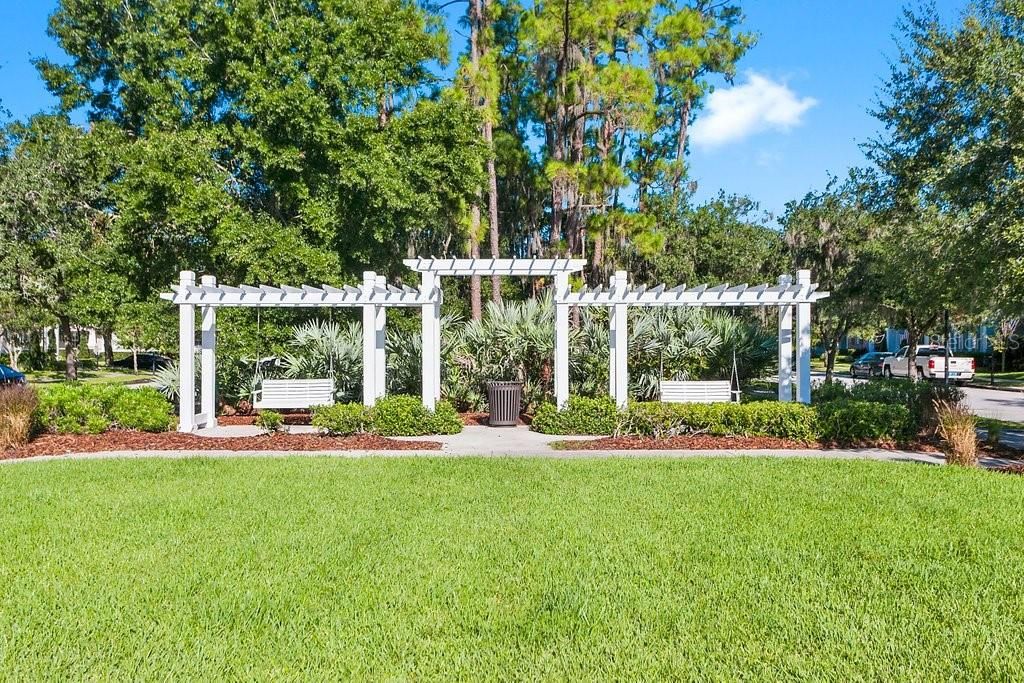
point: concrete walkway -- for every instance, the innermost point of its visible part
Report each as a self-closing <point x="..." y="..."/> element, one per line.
<point x="511" y="442"/>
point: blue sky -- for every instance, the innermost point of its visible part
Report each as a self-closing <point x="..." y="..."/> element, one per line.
<point x="797" y="111"/>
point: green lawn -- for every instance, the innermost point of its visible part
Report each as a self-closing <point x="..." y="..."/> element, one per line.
<point x="100" y="376"/>
<point x="318" y="568"/>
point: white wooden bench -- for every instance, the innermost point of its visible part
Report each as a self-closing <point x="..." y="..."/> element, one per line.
<point x="294" y="393"/>
<point x="714" y="391"/>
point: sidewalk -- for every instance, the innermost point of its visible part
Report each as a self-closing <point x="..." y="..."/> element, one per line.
<point x="515" y="442"/>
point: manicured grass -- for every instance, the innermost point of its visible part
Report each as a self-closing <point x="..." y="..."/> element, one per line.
<point x="514" y="569"/>
<point x="101" y="376"/>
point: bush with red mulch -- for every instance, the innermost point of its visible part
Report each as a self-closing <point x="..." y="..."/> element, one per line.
<point x="127" y="440"/>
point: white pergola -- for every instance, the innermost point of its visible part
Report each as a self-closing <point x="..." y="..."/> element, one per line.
<point x="374" y="296"/>
<point x="788" y="296"/>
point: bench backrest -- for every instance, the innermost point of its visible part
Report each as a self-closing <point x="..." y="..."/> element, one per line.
<point x="715" y="391"/>
<point x="296" y="393"/>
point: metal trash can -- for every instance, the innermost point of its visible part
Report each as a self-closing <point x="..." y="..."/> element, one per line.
<point x="503" y="402"/>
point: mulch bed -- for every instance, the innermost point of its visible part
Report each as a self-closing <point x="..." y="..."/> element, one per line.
<point x="125" y="440"/>
<point x="483" y="419"/>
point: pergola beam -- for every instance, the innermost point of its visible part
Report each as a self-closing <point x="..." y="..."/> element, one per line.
<point x="465" y="267"/>
<point x="266" y="296"/>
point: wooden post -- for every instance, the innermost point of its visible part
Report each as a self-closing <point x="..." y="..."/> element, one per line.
<point x="785" y="345"/>
<point x="618" y="336"/>
<point x="803" y="340"/>
<point x="561" y="340"/>
<point x="430" y="348"/>
<point x="369" y="342"/>
<point x="379" y="341"/>
<point x="208" y="361"/>
<point x="186" y="357"/>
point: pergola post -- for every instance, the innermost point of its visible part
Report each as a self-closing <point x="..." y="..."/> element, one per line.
<point x="561" y="339"/>
<point x="430" y="347"/>
<point x="785" y="345"/>
<point x="369" y="342"/>
<point x="618" y="336"/>
<point x="208" y="361"/>
<point x="803" y="339"/>
<point x="380" y="367"/>
<point x="186" y="357"/>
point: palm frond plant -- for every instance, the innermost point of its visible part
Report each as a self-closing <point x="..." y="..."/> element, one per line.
<point x="754" y="346"/>
<point x="324" y="348"/>
<point x="512" y="341"/>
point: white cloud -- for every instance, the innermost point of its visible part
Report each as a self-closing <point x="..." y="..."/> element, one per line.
<point x="760" y="104"/>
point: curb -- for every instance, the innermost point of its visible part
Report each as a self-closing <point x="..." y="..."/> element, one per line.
<point x="995" y="387"/>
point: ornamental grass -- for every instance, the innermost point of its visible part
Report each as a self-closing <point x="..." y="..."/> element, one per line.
<point x="956" y="427"/>
<point x="17" y="405"/>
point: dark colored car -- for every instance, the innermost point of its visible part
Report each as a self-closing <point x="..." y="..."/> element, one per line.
<point x="147" y="361"/>
<point x="9" y="375"/>
<point x="869" y="365"/>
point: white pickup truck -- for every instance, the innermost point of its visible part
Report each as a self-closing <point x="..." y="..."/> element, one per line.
<point x="928" y="362"/>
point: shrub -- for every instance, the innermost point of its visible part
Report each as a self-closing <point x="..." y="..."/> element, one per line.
<point x="17" y="407"/>
<point x="90" y="409"/>
<point x="392" y="416"/>
<point x="956" y="426"/>
<point x="446" y="419"/>
<point x="401" y="415"/>
<point x="761" y="418"/>
<point x="600" y="416"/>
<point x="73" y="409"/>
<point x="269" y="421"/>
<point x="917" y="397"/>
<point x="830" y="391"/>
<point x="993" y="433"/>
<point x="341" y="419"/>
<point x="580" y="416"/>
<point x="853" y="422"/>
<point x="144" y="409"/>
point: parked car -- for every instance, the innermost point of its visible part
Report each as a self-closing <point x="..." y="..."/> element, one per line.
<point x="9" y="375"/>
<point x="928" y="362"/>
<point x="869" y="364"/>
<point x="147" y="361"/>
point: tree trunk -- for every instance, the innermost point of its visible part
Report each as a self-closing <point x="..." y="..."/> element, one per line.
<point x="475" y="303"/>
<point x="492" y="206"/>
<point x="108" y="347"/>
<point x="830" y="359"/>
<point x="684" y="124"/>
<point x="475" y="18"/>
<point x="70" y="351"/>
<point x="135" y="358"/>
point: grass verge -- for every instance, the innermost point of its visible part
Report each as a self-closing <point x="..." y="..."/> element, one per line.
<point x="429" y="568"/>
<point x="102" y="376"/>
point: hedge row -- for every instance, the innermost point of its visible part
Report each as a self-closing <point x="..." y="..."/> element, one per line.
<point x="76" y="408"/>
<point x="392" y="416"/>
<point x="917" y="397"/>
<point x="841" y="421"/>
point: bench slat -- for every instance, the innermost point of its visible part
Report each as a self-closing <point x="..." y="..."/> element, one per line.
<point x="714" y="391"/>
<point x="295" y="393"/>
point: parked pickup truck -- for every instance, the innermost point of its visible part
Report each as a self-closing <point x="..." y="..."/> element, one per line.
<point x="929" y="362"/>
